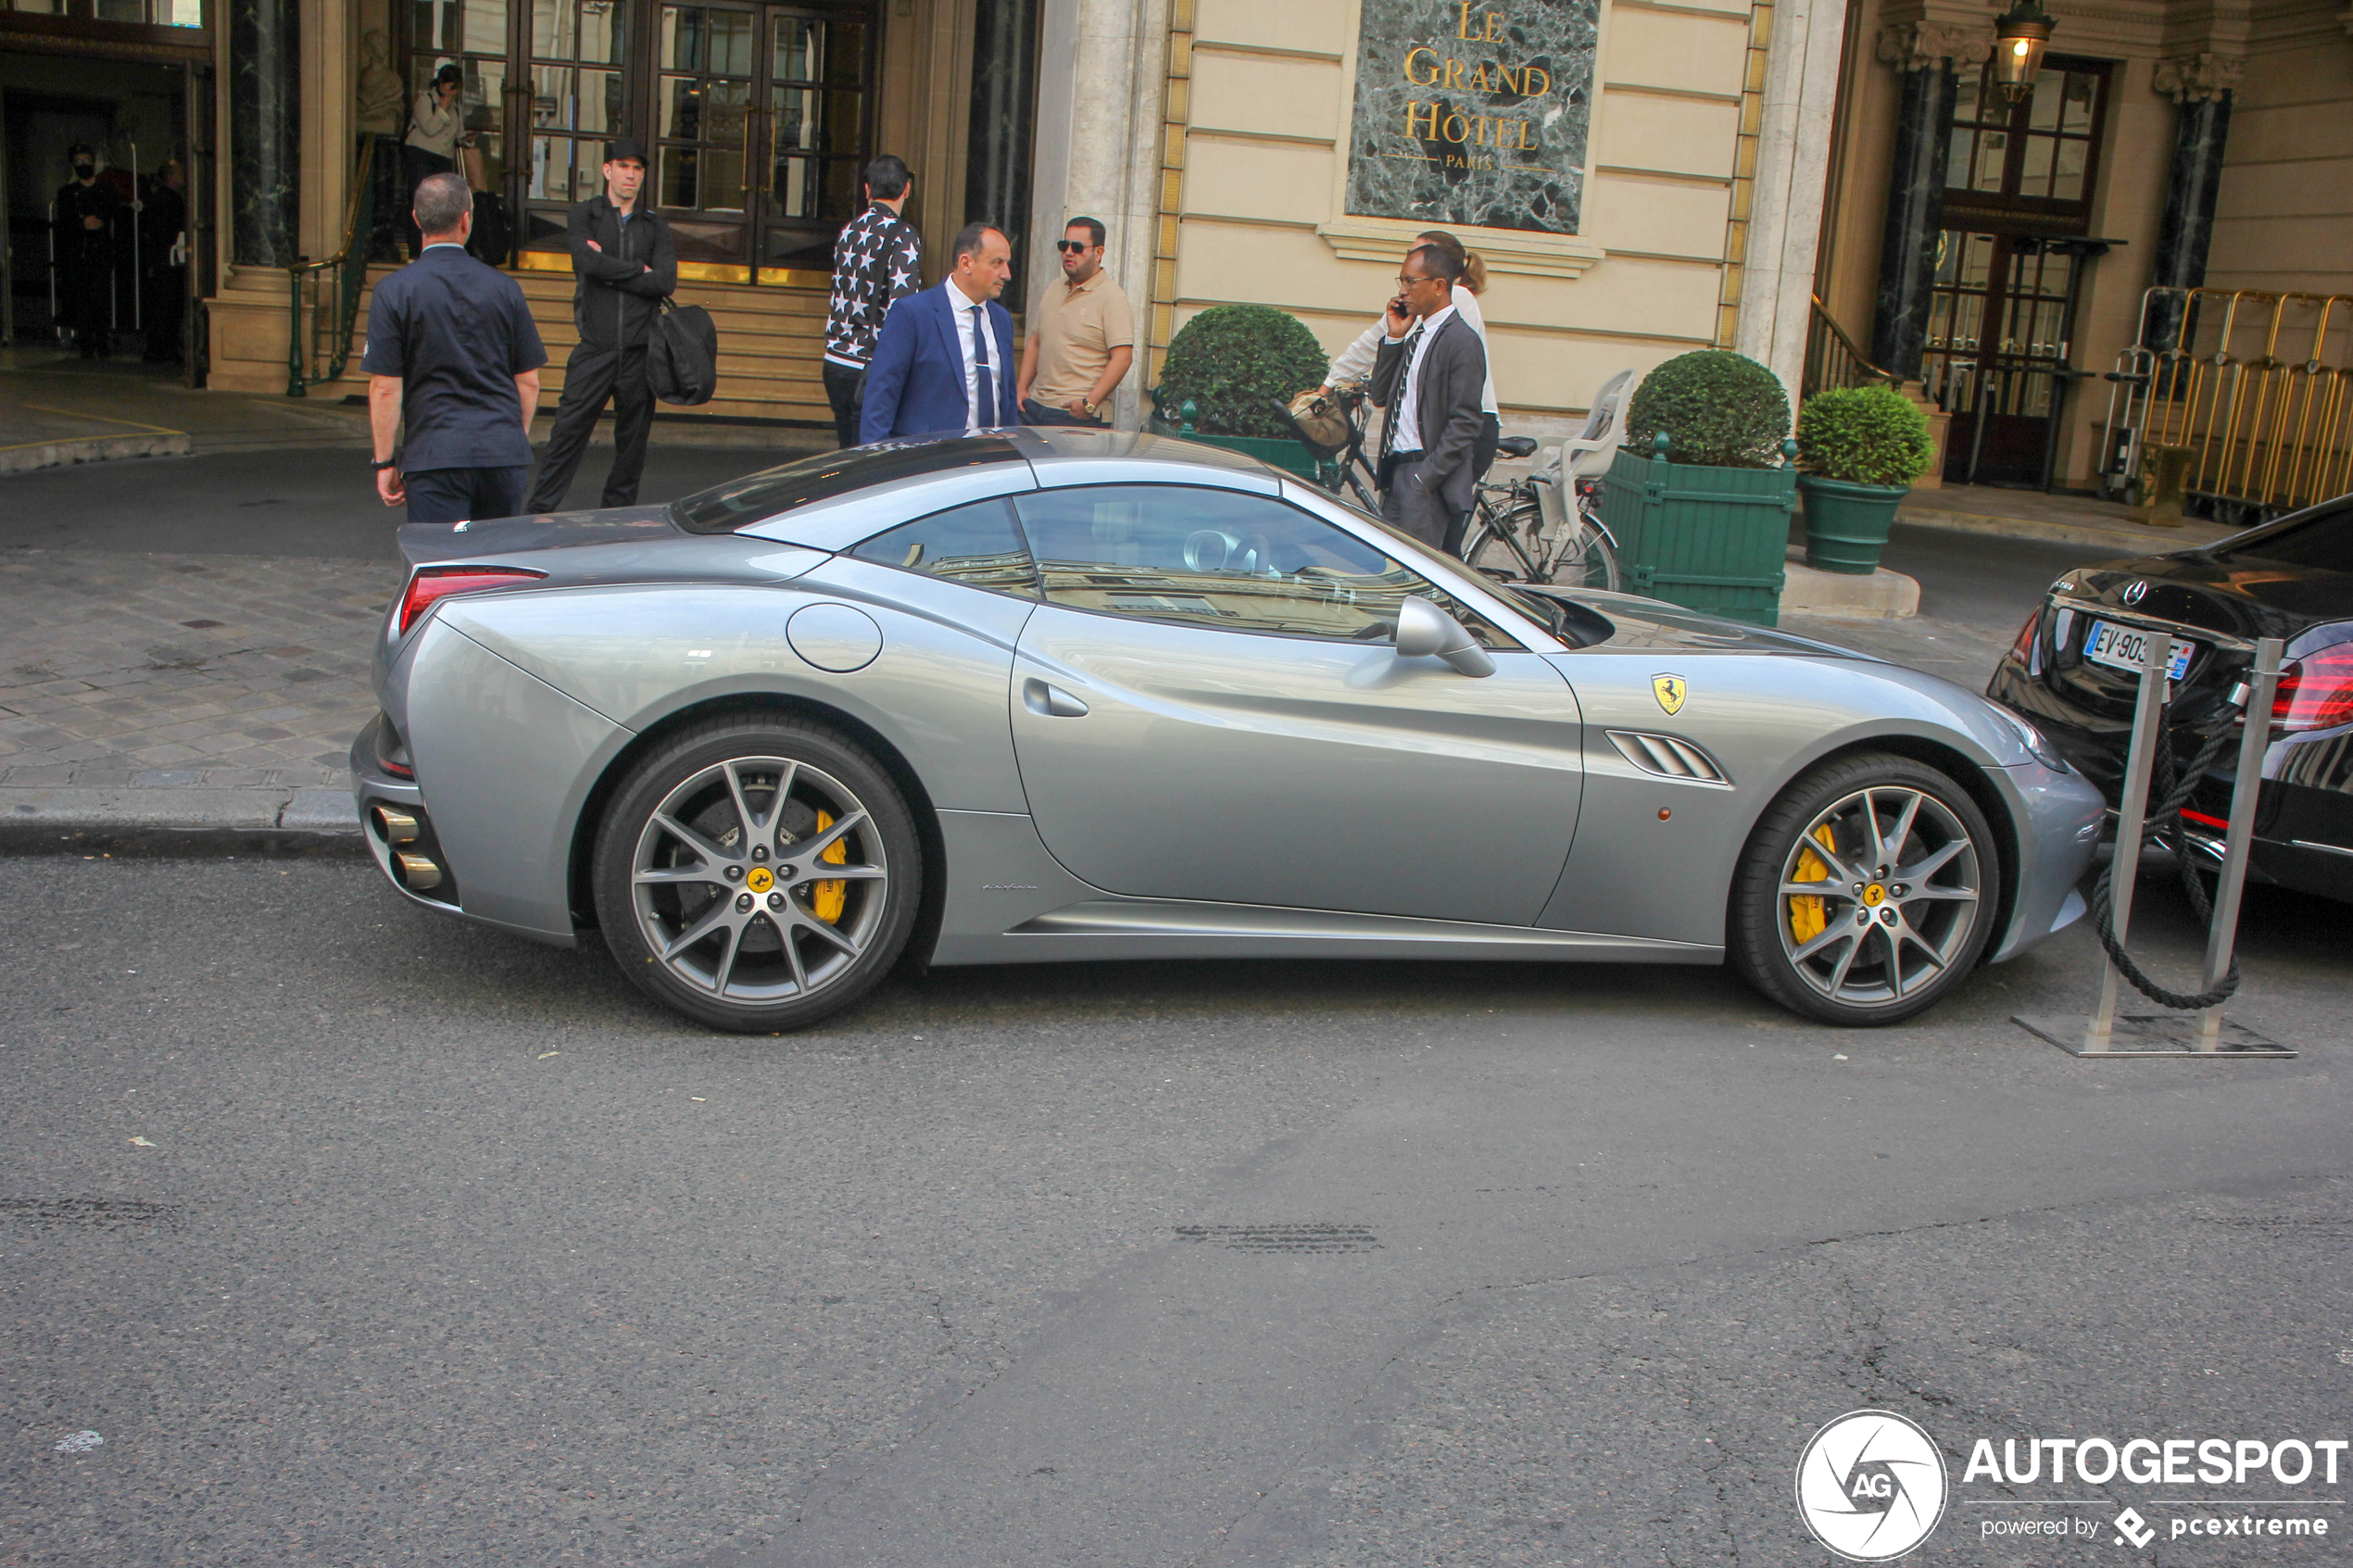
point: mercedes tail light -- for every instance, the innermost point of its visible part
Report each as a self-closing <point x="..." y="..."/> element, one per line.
<point x="435" y="582"/>
<point x="2027" y="649"/>
<point x="2316" y="692"/>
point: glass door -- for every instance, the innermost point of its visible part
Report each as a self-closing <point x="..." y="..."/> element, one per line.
<point x="815" y="109"/>
<point x="702" y="123"/>
<point x="760" y="125"/>
<point x="579" y="49"/>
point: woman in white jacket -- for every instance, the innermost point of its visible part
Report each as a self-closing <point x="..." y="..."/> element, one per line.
<point x="1355" y="362"/>
<point x="435" y="124"/>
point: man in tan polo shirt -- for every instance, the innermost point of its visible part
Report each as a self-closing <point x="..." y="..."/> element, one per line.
<point x="1082" y="338"/>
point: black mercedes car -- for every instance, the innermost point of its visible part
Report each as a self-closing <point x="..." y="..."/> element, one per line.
<point x="2075" y="669"/>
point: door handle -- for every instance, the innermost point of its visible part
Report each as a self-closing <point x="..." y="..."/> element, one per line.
<point x="1051" y="702"/>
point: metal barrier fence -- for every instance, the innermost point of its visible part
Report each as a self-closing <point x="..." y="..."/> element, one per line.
<point x="2249" y="394"/>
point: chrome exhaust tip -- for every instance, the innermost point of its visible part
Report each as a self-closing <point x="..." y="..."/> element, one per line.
<point x="396" y="827"/>
<point x="417" y="873"/>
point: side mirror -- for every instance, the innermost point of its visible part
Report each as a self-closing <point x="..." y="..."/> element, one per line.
<point x="1424" y="631"/>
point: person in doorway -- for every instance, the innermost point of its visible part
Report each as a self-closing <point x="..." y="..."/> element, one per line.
<point x="1082" y="337"/>
<point x="452" y="352"/>
<point x="163" y="259"/>
<point x="87" y="209"/>
<point x="944" y="360"/>
<point x="1355" y="362"/>
<point x="435" y="123"/>
<point x="626" y="264"/>
<point x="878" y="260"/>
<point x="1427" y="375"/>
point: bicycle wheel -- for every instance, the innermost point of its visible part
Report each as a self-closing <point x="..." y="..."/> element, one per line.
<point x="1490" y="548"/>
<point x="1586" y="560"/>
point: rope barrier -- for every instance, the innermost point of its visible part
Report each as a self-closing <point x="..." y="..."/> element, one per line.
<point x="2174" y="787"/>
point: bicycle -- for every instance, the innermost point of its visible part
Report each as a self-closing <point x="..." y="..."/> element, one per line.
<point x="1332" y="428"/>
<point x="1520" y="532"/>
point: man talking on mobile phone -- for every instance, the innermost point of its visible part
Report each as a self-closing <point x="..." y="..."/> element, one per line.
<point x="1430" y="374"/>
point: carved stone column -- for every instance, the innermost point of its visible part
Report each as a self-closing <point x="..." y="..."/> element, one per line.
<point x="2201" y="84"/>
<point x="265" y="138"/>
<point x="1927" y="54"/>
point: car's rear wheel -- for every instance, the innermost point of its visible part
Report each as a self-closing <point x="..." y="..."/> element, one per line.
<point x="757" y="874"/>
<point x="1866" y="892"/>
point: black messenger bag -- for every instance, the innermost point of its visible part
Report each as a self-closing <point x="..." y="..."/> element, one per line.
<point x="682" y="355"/>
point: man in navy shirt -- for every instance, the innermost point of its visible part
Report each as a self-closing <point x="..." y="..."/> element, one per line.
<point x="453" y="351"/>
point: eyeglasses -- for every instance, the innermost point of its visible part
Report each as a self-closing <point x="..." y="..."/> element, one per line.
<point x="1405" y="283"/>
<point x="1071" y="247"/>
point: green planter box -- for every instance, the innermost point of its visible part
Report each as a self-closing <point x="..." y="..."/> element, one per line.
<point x="1709" y="539"/>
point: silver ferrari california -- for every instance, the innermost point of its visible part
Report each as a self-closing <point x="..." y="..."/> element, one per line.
<point x="1033" y="697"/>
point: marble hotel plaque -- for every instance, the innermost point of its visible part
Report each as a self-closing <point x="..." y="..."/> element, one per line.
<point x="1472" y="114"/>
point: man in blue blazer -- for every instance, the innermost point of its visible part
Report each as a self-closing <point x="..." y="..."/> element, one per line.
<point x="945" y="359"/>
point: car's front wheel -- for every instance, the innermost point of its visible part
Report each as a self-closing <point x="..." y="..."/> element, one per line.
<point x="757" y="874"/>
<point x="1866" y="892"/>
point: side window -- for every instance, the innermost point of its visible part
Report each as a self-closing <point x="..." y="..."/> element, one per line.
<point x="979" y="543"/>
<point x="1220" y="558"/>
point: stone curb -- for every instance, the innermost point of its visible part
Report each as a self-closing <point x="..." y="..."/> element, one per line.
<point x="34" y="456"/>
<point x="179" y="821"/>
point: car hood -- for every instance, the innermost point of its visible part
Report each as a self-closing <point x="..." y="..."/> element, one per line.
<point x="1640" y="623"/>
<point x="426" y="543"/>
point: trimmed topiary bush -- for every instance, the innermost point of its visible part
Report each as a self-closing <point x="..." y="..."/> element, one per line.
<point x="1718" y="407"/>
<point x="1863" y="435"/>
<point x="1238" y="363"/>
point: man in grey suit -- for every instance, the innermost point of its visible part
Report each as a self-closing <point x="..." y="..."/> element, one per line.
<point x="1432" y="375"/>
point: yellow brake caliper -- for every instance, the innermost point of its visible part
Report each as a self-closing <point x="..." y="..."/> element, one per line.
<point x="1806" y="915"/>
<point x="828" y="897"/>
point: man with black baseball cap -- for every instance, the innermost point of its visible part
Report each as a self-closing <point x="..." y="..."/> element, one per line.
<point x="624" y="260"/>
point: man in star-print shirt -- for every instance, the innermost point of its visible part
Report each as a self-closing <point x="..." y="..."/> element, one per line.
<point x="877" y="262"/>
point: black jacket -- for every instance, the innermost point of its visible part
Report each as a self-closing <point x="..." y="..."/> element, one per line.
<point x="1447" y="397"/>
<point x="616" y="300"/>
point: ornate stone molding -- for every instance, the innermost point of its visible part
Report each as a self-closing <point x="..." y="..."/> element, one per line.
<point x="1918" y="45"/>
<point x="1355" y="237"/>
<point x="2190" y="79"/>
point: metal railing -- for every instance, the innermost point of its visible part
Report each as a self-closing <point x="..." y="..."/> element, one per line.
<point x="2254" y="392"/>
<point x="324" y="295"/>
<point x="1833" y="359"/>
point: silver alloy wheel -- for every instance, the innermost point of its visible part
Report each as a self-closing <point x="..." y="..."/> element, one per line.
<point x="1886" y="904"/>
<point x="728" y="879"/>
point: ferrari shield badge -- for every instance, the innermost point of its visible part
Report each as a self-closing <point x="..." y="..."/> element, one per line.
<point x="1669" y="691"/>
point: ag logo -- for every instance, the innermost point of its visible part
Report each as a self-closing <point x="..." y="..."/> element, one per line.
<point x="1871" y="1486"/>
<point x="1670" y="690"/>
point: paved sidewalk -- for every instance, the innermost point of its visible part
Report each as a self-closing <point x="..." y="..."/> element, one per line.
<point x="58" y="409"/>
<point x="198" y="692"/>
<point x="2058" y="520"/>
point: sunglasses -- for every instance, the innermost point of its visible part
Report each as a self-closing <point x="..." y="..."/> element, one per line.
<point x="1071" y="247"/>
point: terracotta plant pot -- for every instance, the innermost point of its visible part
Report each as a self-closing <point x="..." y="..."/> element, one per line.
<point x="1846" y="524"/>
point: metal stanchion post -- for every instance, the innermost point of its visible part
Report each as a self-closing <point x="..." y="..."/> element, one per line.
<point x="2149" y="714"/>
<point x="2253" y="742"/>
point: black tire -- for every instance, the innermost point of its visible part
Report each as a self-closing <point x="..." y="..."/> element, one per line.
<point x="1916" y="912"/>
<point x="700" y="825"/>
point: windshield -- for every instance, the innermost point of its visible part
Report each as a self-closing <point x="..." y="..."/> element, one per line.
<point x="756" y="497"/>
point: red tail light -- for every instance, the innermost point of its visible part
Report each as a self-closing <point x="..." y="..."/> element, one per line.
<point x="2316" y="692"/>
<point x="2024" y="647"/>
<point x="433" y="583"/>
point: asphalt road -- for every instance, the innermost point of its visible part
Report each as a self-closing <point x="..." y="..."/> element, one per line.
<point x="360" y="1236"/>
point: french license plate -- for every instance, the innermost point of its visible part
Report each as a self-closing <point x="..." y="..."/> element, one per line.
<point x="2125" y="648"/>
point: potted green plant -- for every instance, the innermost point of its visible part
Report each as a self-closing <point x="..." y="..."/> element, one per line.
<point x="1235" y="366"/>
<point x="1699" y="498"/>
<point x="1860" y="447"/>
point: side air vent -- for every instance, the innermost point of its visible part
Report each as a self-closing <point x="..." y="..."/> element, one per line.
<point x="1669" y="757"/>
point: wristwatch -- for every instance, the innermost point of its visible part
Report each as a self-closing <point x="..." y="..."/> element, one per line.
<point x="391" y="462"/>
<point x="1091" y="409"/>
